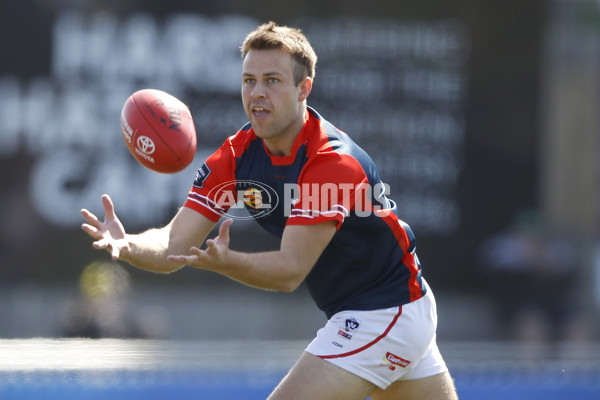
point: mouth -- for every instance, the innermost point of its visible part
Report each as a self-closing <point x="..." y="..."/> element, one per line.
<point x="259" y="112"/>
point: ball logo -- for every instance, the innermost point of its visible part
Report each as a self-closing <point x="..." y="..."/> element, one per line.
<point x="125" y="128"/>
<point x="145" y="144"/>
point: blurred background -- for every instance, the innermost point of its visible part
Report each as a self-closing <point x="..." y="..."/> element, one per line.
<point x="483" y="117"/>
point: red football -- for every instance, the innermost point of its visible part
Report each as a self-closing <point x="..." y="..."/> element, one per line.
<point x="158" y="130"/>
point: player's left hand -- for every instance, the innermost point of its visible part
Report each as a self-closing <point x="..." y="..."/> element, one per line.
<point x="214" y="257"/>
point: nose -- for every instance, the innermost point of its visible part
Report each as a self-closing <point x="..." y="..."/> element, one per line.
<point x="258" y="91"/>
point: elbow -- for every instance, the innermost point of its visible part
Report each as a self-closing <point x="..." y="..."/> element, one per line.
<point x="169" y="269"/>
<point x="288" y="288"/>
<point x="159" y="268"/>
<point x="290" y="285"/>
<point x="296" y="273"/>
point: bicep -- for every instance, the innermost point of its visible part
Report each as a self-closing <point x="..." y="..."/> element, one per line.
<point x="304" y="244"/>
<point x="188" y="228"/>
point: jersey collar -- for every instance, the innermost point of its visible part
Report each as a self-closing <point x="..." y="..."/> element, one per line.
<point x="301" y="139"/>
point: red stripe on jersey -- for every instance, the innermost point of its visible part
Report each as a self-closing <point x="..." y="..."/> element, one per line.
<point x="203" y="205"/>
<point x="366" y="346"/>
<point x="413" y="285"/>
<point x="221" y="165"/>
<point x="409" y="258"/>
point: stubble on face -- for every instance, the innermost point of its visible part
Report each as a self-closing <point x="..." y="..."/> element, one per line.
<point x="271" y="100"/>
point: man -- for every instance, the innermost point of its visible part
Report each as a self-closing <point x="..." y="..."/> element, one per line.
<point x="339" y="233"/>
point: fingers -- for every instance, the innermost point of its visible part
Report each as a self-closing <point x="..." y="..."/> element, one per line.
<point x="93" y="225"/>
<point x="106" y="244"/>
<point x="109" y="207"/>
<point x="109" y="210"/>
<point x="196" y="251"/>
<point x="115" y="253"/>
<point x="92" y="231"/>
<point x="194" y="256"/>
<point x="211" y="247"/>
<point x="90" y="218"/>
<point x="224" y="229"/>
<point x="181" y="259"/>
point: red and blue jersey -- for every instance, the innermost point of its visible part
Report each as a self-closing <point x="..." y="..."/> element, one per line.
<point x="371" y="261"/>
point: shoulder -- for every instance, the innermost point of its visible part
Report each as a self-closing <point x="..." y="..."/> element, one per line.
<point x="223" y="159"/>
<point x="240" y="141"/>
<point x="332" y="151"/>
<point x="327" y="138"/>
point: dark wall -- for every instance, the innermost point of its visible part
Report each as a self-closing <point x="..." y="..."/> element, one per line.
<point x="499" y="155"/>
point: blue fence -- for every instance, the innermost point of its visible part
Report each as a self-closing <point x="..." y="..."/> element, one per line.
<point x="65" y="370"/>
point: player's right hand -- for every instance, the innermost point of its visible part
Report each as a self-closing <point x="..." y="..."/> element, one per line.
<point x="109" y="234"/>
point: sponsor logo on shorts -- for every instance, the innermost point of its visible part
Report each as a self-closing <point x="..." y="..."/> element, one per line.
<point x="394" y="359"/>
<point x="344" y="334"/>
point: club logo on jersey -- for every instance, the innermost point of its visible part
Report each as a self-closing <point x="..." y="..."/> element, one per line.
<point x="258" y="199"/>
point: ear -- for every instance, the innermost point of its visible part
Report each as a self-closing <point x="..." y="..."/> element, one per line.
<point x="305" y="87"/>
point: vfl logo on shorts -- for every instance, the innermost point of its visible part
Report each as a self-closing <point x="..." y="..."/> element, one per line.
<point x="350" y="325"/>
<point x="394" y="359"/>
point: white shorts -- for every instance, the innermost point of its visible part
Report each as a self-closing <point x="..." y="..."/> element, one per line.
<point x="383" y="346"/>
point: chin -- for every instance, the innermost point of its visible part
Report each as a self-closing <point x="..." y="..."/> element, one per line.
<point x="261" y="134"/>
<point x="260" y="130"/>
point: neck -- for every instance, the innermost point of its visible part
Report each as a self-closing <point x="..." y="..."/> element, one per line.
<point x="282" y="144"/>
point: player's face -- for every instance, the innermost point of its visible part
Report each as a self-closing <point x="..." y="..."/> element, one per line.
<point x="274" y="105"/>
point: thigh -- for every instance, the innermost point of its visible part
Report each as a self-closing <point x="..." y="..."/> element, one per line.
<point x="437" y="387"/>
<point x="313" y="378"/>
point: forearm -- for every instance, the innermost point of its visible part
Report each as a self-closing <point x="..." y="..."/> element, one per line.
<point x="281" y="270"/>
<point x="273" y="270"/>
<point x="149" y="251"/>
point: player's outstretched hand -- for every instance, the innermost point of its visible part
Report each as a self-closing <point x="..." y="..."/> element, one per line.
<point x="109" y="234"/>
<point x="214" y="257"/>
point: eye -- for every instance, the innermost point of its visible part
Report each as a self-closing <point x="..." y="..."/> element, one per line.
<point x="249" y="81"/>
<point x="273" y="80"/>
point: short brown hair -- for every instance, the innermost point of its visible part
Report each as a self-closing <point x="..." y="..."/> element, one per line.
<point x="271" y="36"/>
